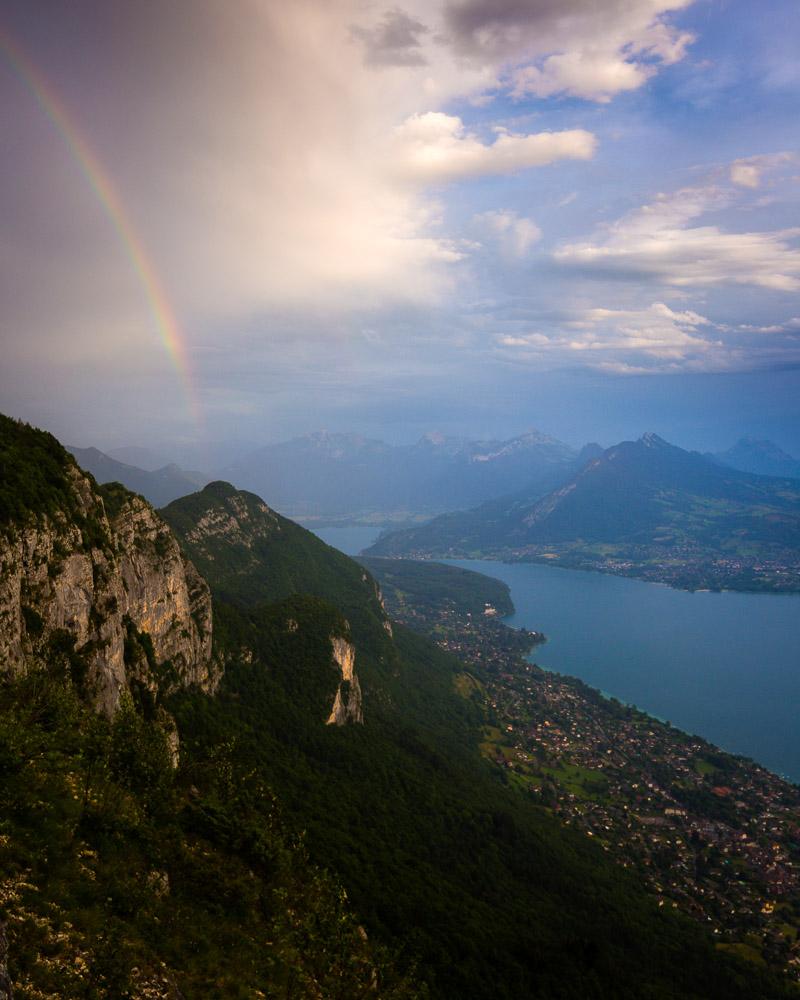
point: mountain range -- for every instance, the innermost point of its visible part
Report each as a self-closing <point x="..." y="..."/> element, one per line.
<point x="159" y="486"/>
<point x="324" y="476"/>
<point x="644" y="508"/>
<point x="227" y="773"/>
<point x="329" y="475"/>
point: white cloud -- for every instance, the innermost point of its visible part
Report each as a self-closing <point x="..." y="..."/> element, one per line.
<point x="437" y="148"/>
<point x="748" y="172"/>
<point x="791" y="326"/>
<point x="745" y="174"/>
<point x="593" y="75"/>
<point x="515" y="235"/>
<point x="655" y="336"/>
<point x="652" y="339"/>
<point x="657" y="241"/>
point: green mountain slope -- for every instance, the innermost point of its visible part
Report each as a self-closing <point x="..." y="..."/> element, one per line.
<point x="122" y="878"/>
<point x="121" y="874"/>
<point x="641" y="506"/>
<point x="491" y="895"/>
<point x="124" y="875"/>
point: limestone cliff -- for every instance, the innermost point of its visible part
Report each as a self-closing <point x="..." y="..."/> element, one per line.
<point x="103" y="573"/>
<point x="347" y="705"/>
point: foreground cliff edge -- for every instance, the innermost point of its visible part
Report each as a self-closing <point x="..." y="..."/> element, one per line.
<point x="97" y="566"/>
<point x="129" y="871"/>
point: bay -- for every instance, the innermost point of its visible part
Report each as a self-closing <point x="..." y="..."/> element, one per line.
<point x="725" y="666"/>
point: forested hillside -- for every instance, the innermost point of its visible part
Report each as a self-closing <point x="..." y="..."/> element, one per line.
<point x="244" y="838"/>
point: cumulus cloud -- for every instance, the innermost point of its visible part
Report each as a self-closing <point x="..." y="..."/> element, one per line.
<point x="515" y="235"/>
<point x="658" y="241"/>
<point x="436" y="147"/>
<point x="584" y="48"/>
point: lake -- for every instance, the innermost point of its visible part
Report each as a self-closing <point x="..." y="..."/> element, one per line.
<point x="724" y="666"/>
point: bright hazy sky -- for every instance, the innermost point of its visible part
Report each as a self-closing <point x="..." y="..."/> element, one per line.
<point x="476" y="216"/>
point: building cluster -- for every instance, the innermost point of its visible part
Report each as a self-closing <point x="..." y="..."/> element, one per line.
<point x="713" y="835"/>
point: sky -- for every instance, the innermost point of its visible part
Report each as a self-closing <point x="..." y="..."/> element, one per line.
<point x="229" y="224"/>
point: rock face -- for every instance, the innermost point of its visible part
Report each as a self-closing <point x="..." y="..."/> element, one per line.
<point x="234" y="521"/>
<point x="347" y="706"/>
<point x="114" y="584"/>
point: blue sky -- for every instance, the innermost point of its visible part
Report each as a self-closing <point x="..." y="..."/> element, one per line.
<point x="476" y="216"/>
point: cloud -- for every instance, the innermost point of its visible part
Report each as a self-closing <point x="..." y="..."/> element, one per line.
<point x="436" y="148"/>
<point x="595" y="75"/>
<point x="747" y="172"/>
<point x="515" y="235"/>
<point x="652" y="338"/>
<point x="394" y="41"/>
<point x="657" y="332"/>
<point x="657" y="241"/>
<point x="791" y="326"/>
<point x="592" y="49"/>
<point x="249" y="154"/>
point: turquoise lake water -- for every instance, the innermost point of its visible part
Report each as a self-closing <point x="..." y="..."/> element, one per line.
<point x="724" y="666"/>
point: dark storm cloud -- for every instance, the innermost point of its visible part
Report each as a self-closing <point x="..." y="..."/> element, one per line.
<point x="395" y="41"/>
<point x="493" y="28"/>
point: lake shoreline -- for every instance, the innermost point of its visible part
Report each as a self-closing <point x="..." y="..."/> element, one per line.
<point x="723" y="664"/>
<point x="716" y="672"/>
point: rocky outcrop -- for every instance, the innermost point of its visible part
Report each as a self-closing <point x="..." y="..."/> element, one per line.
<point x="234" y="521"/>
<point x="347" y="704"/>
<point x="99" y="582"/>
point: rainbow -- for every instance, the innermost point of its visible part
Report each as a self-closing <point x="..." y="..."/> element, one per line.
<point x="106" y="194"/>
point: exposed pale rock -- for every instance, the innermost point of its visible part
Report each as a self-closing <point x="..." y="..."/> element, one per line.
<point x="347" y="704"/>
<point x="131" y="572"/>
<point x="235" y="523"/>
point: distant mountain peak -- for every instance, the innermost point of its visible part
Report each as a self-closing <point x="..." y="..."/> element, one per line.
<point x="651" y="440"/>
<point x="760" y="456"/>
<point x="159" y="486"/>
